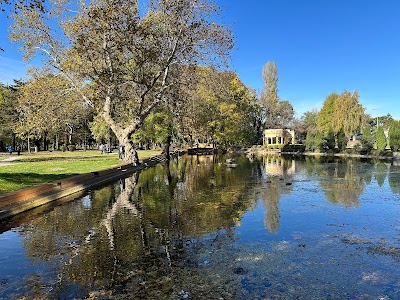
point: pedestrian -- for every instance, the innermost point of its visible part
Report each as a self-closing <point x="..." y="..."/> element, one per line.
<point x="19" y="150"/>
<point x="101" y="148"/>
<point x="120" y="151"/>
<point x="10" y="149"/>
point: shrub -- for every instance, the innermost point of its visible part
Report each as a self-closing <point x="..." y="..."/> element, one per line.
<point x="294" y="148"/>
<point x="63" y="148"/>
<point x="364" y="147"/>
<point x="71" y="148"/>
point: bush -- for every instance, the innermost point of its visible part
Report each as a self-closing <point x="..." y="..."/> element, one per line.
<point x="386" y="153"/>
<point x="364" y="147"/>
<point x="63" y="148"/>
<point x="294" y="148"/>
<point x="71" y="148"/>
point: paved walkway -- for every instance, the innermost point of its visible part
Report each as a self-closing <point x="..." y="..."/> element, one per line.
<point x="9" y="160"/>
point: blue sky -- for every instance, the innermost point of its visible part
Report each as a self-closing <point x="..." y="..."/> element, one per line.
<point x="320" y="47"/>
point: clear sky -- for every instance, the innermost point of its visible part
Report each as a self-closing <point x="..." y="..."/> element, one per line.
<point x="320" y="47"/>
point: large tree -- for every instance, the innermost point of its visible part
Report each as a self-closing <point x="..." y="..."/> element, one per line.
<point x="132" y="57"/>
<point x="222" y="110"/>
<point x="8" y="113"/>
<point x="325" y="115"/>
<point x="277" y="113"/>
<point x="48" y="107"/>
<point x="342" y="112"/>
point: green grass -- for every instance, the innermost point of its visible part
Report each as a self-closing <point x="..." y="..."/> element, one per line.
<point x="44" y="167"/>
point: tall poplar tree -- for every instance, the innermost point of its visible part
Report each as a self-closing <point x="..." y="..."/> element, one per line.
<point x="277" y="113"/>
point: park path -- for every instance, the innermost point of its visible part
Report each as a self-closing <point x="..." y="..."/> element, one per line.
<point x="9" y="160"/>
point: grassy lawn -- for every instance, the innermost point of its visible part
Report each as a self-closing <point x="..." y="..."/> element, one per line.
<point x="43" y="167"/>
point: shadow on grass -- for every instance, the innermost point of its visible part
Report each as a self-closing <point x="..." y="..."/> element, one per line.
<point x="11" y="182"/>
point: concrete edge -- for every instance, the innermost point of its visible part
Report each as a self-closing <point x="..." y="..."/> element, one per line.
<point x="47" y="197"/>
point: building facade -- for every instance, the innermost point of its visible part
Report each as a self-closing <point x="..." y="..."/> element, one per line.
<point x="278" y="136"/>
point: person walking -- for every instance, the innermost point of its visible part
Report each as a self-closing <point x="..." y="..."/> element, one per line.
<point x="10" y="149"/>
<point x="101" y="148"/>
<point x="121" y="152"/>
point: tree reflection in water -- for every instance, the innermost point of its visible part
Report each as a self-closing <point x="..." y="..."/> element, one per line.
<point x="172" y="232"/>
<point x="278" y="174"/>
<point x="149" y="235"/>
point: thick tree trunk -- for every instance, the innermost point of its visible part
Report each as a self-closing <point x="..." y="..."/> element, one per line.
<point x="123" y="135"/>
<point x="130" y="152"/>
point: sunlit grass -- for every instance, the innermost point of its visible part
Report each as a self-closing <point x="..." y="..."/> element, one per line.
<point x="44" y="167"/>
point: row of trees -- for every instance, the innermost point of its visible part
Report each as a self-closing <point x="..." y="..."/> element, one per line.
<point x="135" y="72"/>
<point x="122" y="59"/>
<point x="343" y="118"/>
<point x="218" y="109"/>
<point x="142" y="74"/>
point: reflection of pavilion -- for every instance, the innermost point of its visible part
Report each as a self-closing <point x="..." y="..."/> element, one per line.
<point x="278" y="137"/>
<point x="277" y="166"/>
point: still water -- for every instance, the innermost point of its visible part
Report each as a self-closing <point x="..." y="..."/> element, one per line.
<point x="271" y="228"/>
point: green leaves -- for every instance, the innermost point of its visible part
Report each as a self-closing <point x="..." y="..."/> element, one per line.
<point x="394" y="135"/>
<point x="341" y="112"/>
<point x="380" y="139"/>
<point x="277" y="113"/>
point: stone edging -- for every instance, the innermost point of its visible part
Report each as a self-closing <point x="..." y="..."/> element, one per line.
<point x="20" y="201"/>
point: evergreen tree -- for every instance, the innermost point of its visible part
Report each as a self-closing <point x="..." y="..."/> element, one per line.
<point x="310" y="141"/>
<point x="367" y="133"/>
<point x="380" y="139"/>
<point x="319" y="141"/>
<point x="341" y="140"/>
<point x="329" y="142"/>
<point x="394" y="135"/>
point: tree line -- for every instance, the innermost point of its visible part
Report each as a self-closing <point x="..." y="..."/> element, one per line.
<point x="343" y="118"/>
<point x="137" y="75"/>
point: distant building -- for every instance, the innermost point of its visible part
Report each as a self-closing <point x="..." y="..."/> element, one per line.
<point x="278" y="137"/>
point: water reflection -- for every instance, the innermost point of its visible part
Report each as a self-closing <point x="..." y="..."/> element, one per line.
<point x="278" y="173"/>
<point x="174" y="231"/>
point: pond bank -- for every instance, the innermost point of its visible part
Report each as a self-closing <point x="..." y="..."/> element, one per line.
<point x="395" y="157"/>
<point x="14" y="203"/>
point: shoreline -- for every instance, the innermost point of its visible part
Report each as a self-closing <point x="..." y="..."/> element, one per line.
<point x="17" y="202"/>
<point x="395" y="157"/>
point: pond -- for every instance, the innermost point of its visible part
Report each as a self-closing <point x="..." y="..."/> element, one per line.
<point x="196" y="228"/>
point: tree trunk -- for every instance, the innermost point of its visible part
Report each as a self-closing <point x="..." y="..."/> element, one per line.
<point x="14" y="141"/>
<point x="165" y="151"/>
<point x="56" y="147"/>
<point x="45" y="144"/>
<point x="131" y="155"/>
<point x="29" y="145"/>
